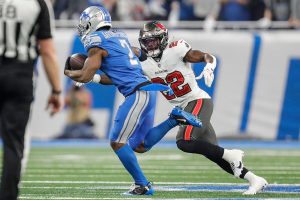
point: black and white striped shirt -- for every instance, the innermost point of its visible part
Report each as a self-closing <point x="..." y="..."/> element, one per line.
<point x="22" y="23"/>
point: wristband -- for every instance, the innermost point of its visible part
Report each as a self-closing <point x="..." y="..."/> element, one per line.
<point x="56" y="92"/>
<point x="96" y="78"/>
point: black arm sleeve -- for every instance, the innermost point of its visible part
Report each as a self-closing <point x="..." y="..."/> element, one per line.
<point x="143" y="56"/>
<point x="44" y="21"/>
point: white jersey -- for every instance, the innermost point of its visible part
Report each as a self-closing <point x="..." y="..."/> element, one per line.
<point x="173" y="71"/>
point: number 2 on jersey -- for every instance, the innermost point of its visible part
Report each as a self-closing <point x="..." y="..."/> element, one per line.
<point x="125" y="44"/>
<point x="175" y="80"/>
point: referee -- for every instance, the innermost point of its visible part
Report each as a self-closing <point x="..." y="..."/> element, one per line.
<point x="25" y="33"/>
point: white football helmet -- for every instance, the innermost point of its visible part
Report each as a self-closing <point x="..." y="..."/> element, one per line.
<point x="93" y="18"/>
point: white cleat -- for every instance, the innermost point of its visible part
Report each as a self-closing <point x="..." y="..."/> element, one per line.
<point x="236" y="161"/>
<point x="258" y="184"/>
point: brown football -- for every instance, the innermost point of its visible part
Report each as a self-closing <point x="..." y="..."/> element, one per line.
<point x="77" y="61"/>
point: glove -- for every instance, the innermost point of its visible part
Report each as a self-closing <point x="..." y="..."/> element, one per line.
<point x="208" y="74"/>
<point x="67" y="64"/>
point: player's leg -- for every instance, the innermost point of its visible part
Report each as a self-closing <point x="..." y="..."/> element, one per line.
<point x="177" y="116"/>
<point x="146" y="132"/>
<point x="155" y="134"/>
<point x="14" y="114"/>
<point x="127" y="120"/>
<point x="203" y="141"/>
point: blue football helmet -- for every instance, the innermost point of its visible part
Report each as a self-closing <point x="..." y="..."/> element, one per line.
<point x="93" y="18"/>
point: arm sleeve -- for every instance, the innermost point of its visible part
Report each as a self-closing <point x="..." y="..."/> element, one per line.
<point x="45" y="20"/>
<point x="143" y="56"/>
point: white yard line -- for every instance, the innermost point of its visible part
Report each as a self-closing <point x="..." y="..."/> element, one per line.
<point x="122" y="198"/>
<point x="156" y="183"/>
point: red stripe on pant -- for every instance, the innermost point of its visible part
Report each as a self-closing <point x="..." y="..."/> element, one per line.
<point x="196" y="110"/>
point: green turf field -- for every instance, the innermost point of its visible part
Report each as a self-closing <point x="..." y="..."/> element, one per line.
<point x="96" y="173"/>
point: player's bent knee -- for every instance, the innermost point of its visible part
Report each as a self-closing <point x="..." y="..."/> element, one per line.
<point x="140" y="149"/>
<point x="184" y="146"/>
<point x="115" y="145"/>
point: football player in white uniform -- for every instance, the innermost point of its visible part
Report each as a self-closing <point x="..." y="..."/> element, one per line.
<point x="168" y="62"/>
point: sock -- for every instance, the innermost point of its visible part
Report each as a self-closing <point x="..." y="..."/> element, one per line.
<point x="130" y="162"/>
<point x="246" y="172"/>
<point x="250" y="177"/>
<point x="210" y="151"/>
<point x="227" y="155"/>
<point x="157" y="133"/>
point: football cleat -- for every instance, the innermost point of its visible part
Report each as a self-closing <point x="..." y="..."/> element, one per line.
<point x="258" y="184"/>
<point x="236" y="161"/>
<point x="137" y="189"/>
<point x="185" y="118"/>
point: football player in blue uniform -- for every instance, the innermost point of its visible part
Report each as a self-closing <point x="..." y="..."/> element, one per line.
<point x="110" y="51"/>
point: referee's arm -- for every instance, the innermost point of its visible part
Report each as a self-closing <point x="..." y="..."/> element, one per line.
<point x="49" y="59"/>
<point x="48" y="56"/>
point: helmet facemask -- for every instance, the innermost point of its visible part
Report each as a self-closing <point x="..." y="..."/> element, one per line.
<point x="153" y="39"/>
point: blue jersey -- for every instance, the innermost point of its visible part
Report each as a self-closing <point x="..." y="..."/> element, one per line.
<point x="121" y="65"/>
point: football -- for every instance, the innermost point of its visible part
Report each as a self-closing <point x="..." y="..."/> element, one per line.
<point x="76" y="61"/>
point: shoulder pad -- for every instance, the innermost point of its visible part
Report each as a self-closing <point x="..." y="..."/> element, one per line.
<point x="92" y="40"/>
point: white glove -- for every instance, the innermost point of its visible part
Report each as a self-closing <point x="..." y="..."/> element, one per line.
<point x="208" y="74"/>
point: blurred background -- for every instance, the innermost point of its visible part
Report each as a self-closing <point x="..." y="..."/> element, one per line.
<point x="256" y="90"/>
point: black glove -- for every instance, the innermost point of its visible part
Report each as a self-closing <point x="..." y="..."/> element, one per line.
<point x="143" y="56"/>
<point x="67" y="64"/>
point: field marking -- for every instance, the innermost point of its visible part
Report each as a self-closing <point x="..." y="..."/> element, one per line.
<point x="150" y="197"/>
<point x="291" y="189"/>
<point x="72" y="198"/>
<point x="151" y="167"/>
<point x="169" y="186"/>
<point x="203" y="188"/>
<point x="156" y="183"/>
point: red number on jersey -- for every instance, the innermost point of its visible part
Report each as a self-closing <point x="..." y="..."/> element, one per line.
<point x="173" y="44"/>
<point x="161" y="81"/>
<point x="175" y="80"/>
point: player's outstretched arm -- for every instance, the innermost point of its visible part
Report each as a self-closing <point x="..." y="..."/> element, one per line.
<point x="194" y="56"/>
<point x="91" y="65"/>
